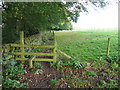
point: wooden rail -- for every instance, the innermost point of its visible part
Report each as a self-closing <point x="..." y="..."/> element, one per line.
<point x="38" y="54"/>
<point x="19" y="45"/>
<point x="64" y="54"/>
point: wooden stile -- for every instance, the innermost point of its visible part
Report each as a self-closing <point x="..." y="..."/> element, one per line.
<point x="22" y="52"/>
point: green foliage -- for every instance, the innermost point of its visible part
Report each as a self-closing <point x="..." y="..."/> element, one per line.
<point x="113" y="59"/>
<point x="62" y="26"/>
<point x="73" y="63"/>
<point x="36" y="71"/>
<point x="12" y="74"/>
<point x="45" y="40"/>
<point x="9" y="83"/>
<point x="111" y="84"/>
<point x="75" y="82"/>
<point x="53" y="82"/>
<point x="77" y="64"/>
<point x="32" y="17"/>
<point x="37" y="65"/>
<point x="51" y="38"/>
<point x="58" y="65"/>
<point x="114" y="65"/>
<point x="90" y="73"/>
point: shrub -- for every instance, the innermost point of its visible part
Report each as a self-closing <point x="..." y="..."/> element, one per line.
<point x="12" y="74"/>
<point x="53" y="82"/>
<point x="37" y="65"/>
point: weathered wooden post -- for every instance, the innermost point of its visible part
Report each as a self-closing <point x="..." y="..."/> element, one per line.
<point x="22" y="44"/>
<point x="30" y="64"/>
<point x="31" y="61"/>
<point x="54" y="51"/>
<point x="108" y="47"/>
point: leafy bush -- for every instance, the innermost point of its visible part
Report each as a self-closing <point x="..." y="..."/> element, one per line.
<point x="9" y="83"/>
<point x="111" y="84"/>
<point x="51" y="38"/>
<point x="77" y="65"/>
<point x="90" y="73"/>
<point x="45" y="39"/>
<point x="12" y="74"/>
<point x="58" y="65"/>
<point x="53" y="82"/>
<point x="37" y="65"/>
<point x="113" y="59"/>
<point x="75" y="82"/>
<point x="114" y="65"/>
<point x="71" y="63"/>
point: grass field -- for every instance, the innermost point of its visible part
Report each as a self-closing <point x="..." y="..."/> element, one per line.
<point x="88" y="45"/>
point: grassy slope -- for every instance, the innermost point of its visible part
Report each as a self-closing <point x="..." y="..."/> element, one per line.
<point x="87" y="45"/>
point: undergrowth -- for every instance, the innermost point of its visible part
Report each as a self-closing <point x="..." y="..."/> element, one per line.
<point x="12" y="73"/>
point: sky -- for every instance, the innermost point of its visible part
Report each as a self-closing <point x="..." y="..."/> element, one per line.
<point x="106" y="18"/>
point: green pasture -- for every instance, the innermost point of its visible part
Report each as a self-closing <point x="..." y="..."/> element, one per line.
<point x="88" y="44"/>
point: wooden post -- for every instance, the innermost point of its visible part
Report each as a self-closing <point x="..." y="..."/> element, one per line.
<point x="108" y="47"/>
<point x="30" y="64"/>
<point x="31" y="61"/>
<point x="54" y="51"/>
<point x="22" y="44"/>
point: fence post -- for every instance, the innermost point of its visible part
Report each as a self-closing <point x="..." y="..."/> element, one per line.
<point x="22" y="44"/>
<point x="31" y="61"/>
<point x="55" y="44"/>
<point x="108" y="47"/>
